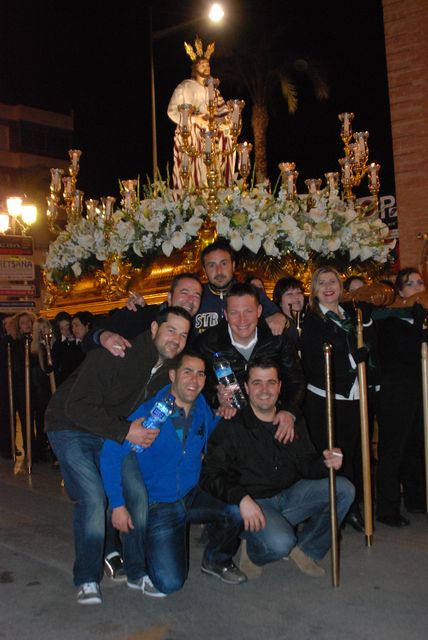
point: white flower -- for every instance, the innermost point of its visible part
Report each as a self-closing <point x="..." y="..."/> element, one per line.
<point x="316" y="214"/>
<point x="236" y="241"/>
<point x="270" y="247"/>
<point x="259" y="227"/>
<point x="334" y="244"/>
<point x="178" y="239"/>
<point x="223" y="225"/>
<point x="77" y="269"/>
<point x="167" y="247"/>
<point x="192" y="226"/>
<point x="253" y="241"/>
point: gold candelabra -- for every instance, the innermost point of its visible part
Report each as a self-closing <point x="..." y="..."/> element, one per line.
<point x="354" y="166"/>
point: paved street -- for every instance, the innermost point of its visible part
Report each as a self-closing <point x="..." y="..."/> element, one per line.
<point x="382" y="592"/>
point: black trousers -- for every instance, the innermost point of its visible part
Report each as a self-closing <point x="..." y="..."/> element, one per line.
<point x="401" y="448"/>
<point x="347" y="433"/>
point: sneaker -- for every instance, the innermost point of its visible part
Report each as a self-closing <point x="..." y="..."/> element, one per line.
<point x="305" y="564"/>
<point x="230" y="574"/>
<point x="89" y="593"/>
<point x="113" y="567"/>
<point x="145" y="585"/>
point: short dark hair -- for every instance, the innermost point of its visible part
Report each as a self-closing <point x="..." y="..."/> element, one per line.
<point x="176" y="362"/>
<point x="85" y="317"/>
<point x="219" y="245"/>
<point x="351" y="279"/>
<point x="240" y="289"/>
<point x="187" y="274"/>
<point x="403" y="277"/>
<point x="283" y="285"/>
<point x="261" y="362"/>
<point x="162" y="316"/>
<point x="62" y="315"/>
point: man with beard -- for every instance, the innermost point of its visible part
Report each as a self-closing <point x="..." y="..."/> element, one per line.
<point x="91" y="405"/>
<point x="218" y="262"/>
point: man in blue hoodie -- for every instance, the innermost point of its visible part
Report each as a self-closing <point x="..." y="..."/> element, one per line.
<point x="170" y="467"/>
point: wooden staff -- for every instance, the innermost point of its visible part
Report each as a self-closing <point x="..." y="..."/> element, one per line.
<point x="424" y="354"/>
<point x="365" y="439"/>
<point x="48" y="341"/>
<point x="28" y="424"/>
<point x="11" y="407"/>
<point x="335" y="570"/>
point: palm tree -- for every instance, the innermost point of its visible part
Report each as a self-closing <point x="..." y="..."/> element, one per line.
<point x="259" y="67"/>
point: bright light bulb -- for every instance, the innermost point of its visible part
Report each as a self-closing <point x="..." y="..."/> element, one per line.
<point x="29" y="214"/>
<point x="4" y="222"/>
<point x="14" y="206"/>
<point x="216" y="12"/>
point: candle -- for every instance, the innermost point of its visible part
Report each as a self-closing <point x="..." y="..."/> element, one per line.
<point x="68" y="186"/>
<point x="56" y="175"/>
<point x="74" y="157"/>
<point x="185" y="163"/>
<point x="207" y="142"/>
<point x="210" y="85"/>
<point x="290" y="183"/>
<point x="235" y="114"/>
<point x="184" y="112"/>
<point x="347" y="169"/>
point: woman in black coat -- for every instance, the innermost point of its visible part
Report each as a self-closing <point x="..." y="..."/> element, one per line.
<point x="329" y="322"/>
<point x="400" y="415"/>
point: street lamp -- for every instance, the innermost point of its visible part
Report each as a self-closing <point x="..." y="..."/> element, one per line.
<point x="215" y="14"/>
<point x="23" y="215"/>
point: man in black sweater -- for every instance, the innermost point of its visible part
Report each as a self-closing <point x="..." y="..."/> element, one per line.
<point x="274" y="486"/>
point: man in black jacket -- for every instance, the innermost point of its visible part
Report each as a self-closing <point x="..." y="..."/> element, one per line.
<point x="93" y="404"/>
<point x="243" y="335"/>
<point x="127" y="323"/>
<point x="274" y="486"/>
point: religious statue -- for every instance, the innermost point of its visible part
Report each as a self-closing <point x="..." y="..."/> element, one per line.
<point x="195" y="91"/>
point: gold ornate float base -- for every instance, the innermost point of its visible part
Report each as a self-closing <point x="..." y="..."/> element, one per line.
<point x="108" y="287"/>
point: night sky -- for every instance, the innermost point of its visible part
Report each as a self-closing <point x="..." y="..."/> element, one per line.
<point x="93" y="60"/>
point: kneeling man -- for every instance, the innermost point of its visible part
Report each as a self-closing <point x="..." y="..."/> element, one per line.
<point x="274" y="486"/>
<point x="170" y="467"/>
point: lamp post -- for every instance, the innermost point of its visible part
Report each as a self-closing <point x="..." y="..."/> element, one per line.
<point x="215" y="14"/>
<point x="18" y="214"/>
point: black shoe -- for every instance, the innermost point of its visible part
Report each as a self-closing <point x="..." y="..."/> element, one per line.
<point x="228" y="573"/>
<point x="356" y="521"/>
<point x="394" y="521"/>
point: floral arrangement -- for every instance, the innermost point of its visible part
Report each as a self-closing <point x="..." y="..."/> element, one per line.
<point x="321" y="225"/>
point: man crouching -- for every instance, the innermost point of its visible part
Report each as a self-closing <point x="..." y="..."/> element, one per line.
<point x="274" y="486"/>
<point x="170" y="467"/>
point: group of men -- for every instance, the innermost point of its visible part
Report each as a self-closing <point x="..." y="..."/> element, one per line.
<point x="251" y="474"/>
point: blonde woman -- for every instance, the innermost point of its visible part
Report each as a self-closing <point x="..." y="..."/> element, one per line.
<point x="329" y="321"/>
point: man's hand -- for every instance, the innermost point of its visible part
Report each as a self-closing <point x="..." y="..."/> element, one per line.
<point x="252" y="515"/>
<point x="114" y="343"/>
<point x="121" y="519"/>
<point x="133" y="300"/>
<point x="137" y="434"/>
<point x="277" y="323"/>
<point x="333" y="458"/>
<point x="285" y="422"/>
<point x="226" y="412"/>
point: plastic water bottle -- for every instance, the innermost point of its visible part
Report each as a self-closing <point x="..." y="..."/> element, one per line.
<point x="160" y="412"/>
<point x="225" y="375"/>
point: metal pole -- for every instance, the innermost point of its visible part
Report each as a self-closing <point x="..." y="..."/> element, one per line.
<point x="153" y="99"/>
<point x="11" y="407"/>
<point x="365" y="439"/>
<point x="424" y="354"/>
<point x="28" y="424"/>
<point x="52" y="381"/>
<point x="335" y="569"/>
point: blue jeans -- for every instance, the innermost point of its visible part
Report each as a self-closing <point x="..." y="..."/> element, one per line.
<point x="167" y="536"/>
<point x="78" y="456"/>
<point x="305" y="501"/>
